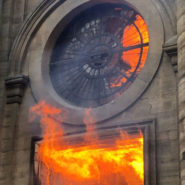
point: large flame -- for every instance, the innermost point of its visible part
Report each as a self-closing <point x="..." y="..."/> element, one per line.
<point x="91" y="162"/>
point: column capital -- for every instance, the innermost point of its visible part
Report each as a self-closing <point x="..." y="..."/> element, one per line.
<point x="15" y="87"/>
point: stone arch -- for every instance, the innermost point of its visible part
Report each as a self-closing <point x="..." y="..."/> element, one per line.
<point x="36" y="39"/>
<point x="33" y="22"/>
<point x="26" y="33"/>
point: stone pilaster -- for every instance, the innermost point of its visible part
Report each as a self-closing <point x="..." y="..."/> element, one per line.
<point x="181" y="83"/>
<point x="15" y="87"/>
<point x="11" y="18"/>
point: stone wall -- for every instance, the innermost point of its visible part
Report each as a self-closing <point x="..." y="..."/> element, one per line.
<point x="181" y="83"/>
<point x="159" y="102"/>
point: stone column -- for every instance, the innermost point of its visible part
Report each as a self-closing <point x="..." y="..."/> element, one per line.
<point x="15" y="87"/>
<point x="181" y="83"/>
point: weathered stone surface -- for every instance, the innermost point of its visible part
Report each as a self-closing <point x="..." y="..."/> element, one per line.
<point x="31" y="5"/>
<point x="159" y="101"/>
<point x="169" y="180"/>
<point x="181" y="84"/>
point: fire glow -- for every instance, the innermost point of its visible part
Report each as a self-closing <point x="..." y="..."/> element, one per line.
<point x="133" y="38"/>
<point x="91" y="162"/>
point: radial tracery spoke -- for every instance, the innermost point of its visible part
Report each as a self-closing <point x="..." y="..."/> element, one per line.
<point x="135" y="47"/>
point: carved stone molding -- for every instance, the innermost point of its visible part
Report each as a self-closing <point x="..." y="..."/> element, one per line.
<point x="15" y="87"/>
<point x="28" y="29"/>
<point x="170" y="47"/>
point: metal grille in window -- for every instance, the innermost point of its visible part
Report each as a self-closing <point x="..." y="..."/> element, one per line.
<point x="99" y="54"/>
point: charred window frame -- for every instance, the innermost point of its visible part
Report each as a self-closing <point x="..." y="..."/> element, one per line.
<point x="148" y="129"/>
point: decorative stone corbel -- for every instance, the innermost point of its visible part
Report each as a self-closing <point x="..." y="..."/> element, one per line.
<point x="170" y="47"/>
<point x="15" y="87"/>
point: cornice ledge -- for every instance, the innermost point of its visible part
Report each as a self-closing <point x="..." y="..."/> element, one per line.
<point x="170" y="47"/>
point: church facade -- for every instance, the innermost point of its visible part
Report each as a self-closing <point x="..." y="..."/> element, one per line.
<point x="53" y="51"/>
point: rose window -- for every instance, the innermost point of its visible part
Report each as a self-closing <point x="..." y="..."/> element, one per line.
<point x="99" y="54"/>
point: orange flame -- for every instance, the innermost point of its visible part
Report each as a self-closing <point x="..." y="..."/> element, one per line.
<point x="108" y="162"/>
<point x="131" y="37"/>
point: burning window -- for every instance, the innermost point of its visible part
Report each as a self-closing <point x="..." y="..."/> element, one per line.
<point x="107" y="162"/>
<point x="115" y="157"/>
<point x="99" y="54"/>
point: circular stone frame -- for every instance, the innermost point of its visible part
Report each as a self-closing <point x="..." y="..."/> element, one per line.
<point x="41" y="47"/>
